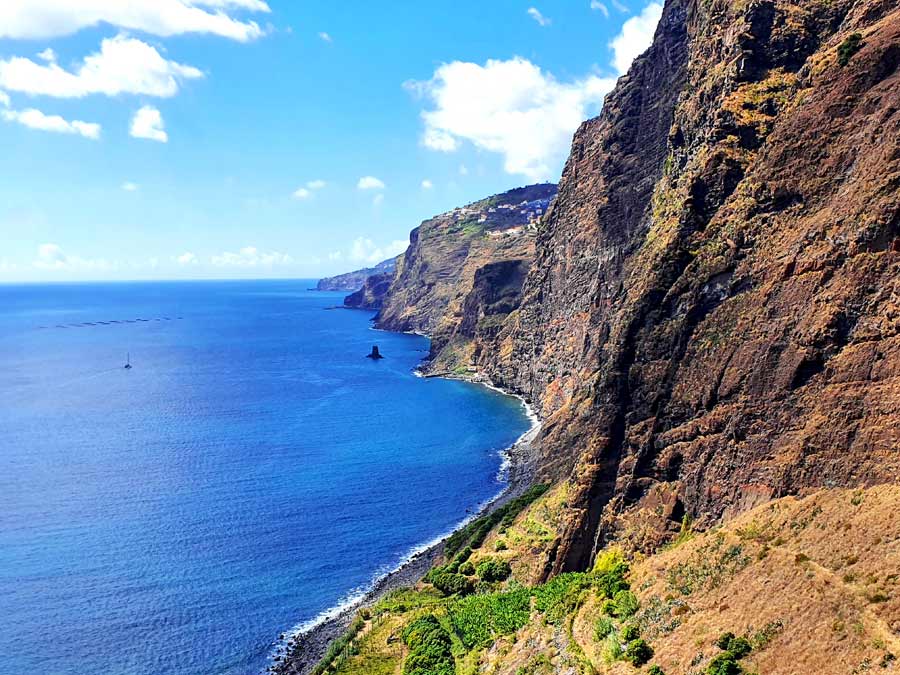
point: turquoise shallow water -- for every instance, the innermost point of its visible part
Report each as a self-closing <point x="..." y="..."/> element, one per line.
<point x="249" y="472"/>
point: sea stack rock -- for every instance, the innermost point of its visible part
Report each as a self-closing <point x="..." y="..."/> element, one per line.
<point x="375" y="353"/>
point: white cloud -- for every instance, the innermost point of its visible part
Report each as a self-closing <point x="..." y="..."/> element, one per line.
<point x="186" y="259"/>
<point x="250" y="256"/>
<point x="378" y="200"/>
<point x="508" y="107"/>
<point x="635" y="37"/>
<point x="427" y="184"/>
<point x="597" y="5"/>
<point x="35" y="119"/>
<point x="128" y="186"/>
<point x="619" y="6"/>
<point x="47" y="55"/>
<point x="335" y="255"/>
<point x="4" y="99"/>
<point x="123" y="65"/>
<point x="311" y="187"/>
<point x="148" y="123"/>
<point x="519" y="111"/>
<point x="370" y="183"/>
<point x="31" y="19"/>
<point x="325" y="37"/>
<point x="535" y="14"/>
<point x="364" y="250"/>
<point x="52" y="257"/>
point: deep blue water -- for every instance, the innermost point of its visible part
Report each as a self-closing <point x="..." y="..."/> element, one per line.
<point x="251" y="470"/>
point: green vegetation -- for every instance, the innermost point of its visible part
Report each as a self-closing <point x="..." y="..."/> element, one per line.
<point x="631" y="632"/>
<point x="733" y="650"/>
<point x="492" y="569"/>
<point x="477" y="531"/>
<point x="638" y="652"/>
<point x="561" y="595"/>
<point x="626" y="604"/>
<point x="479" y="619"/>
<point x="603" y="628"/>
<point x="452" y="583"/>
<point x="429" y="648"/>
<point x="655" y="670"/>
<point x="539" y="664"/>
<point x="848" y="48"/>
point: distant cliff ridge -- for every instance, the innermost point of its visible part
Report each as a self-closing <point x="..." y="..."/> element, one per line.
<point x="435" y="277"/>
<point x="354" y="281"/>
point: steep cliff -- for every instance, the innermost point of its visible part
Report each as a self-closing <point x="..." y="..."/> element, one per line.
<point x="713" y="313"/>
<point x="710" y="330"/>
<point x="372" y="293"/>
<point x="434" y="278"/>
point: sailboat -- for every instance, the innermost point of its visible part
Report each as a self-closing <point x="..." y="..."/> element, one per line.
<point x="128" y="361"/>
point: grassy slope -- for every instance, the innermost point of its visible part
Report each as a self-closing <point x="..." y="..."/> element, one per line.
<point x="812" y="582"/>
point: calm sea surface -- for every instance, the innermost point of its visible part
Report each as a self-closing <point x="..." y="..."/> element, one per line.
<point x="249" y="472"/>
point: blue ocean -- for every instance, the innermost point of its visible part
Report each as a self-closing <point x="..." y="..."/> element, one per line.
<point x="250" y="471"/>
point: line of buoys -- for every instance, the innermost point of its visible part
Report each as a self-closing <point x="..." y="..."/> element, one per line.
<point x="110" y="322"/>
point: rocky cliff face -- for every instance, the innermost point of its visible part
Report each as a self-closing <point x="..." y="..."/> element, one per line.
<point x="713" y="316"/>
<point x="435" y="277"/>
<point x="372" y="293"/>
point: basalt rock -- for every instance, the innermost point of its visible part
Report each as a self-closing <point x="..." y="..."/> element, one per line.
<point x="372" y="293"/>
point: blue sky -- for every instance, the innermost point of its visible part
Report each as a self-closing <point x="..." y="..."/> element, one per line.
<point x="163" y="139"/>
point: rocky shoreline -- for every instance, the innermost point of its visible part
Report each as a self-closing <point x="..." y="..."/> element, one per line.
<point x="303" y="651"/>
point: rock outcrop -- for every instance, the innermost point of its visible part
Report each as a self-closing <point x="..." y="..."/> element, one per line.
<point x="713" y="316"/>
<point x="372" y="293"/>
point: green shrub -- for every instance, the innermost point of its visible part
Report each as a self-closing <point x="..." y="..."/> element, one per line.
<point x="500" y="546"/>
<point x="452" y="583"/>
<point x="655" y="670"/>
<point x="608" y="607"/>
<point x="724" y="641"/>
<point x="740" y="647"/>
<point x="493" y="570"/>
<point x="724" y="664"/>
<point x="459" y="559"/>
<point x="603" y="628"/>
<point x="429" y="648"/>
<point x="848" y="48"/>
<point x="467" y="568"/>
<point x="613" y="649"/>
<point x="638" y="652"/>
<point x="626" y="604"/>
<point x="631" y="632"/>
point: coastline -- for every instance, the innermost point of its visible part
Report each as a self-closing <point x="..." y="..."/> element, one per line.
<point x="301" y="649"/>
